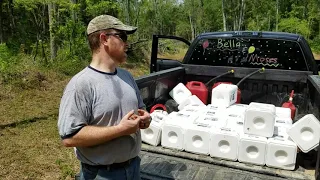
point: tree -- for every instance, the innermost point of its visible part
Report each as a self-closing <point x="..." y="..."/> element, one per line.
<point x="224" y="17"/>
<point x="53" y="46"/>
<point x="1" y="30"/>
<point x="277" y="15"/>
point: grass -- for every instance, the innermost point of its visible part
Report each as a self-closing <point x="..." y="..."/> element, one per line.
<point x="22" y="105"/>
<point x="30" y="146"/>
<point x="316" y="56"/>
<point x="34" y="151"/>
<point x="179" y="55"/>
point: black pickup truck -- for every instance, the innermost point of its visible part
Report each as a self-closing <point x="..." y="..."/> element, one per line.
<point x="289" y="65"/>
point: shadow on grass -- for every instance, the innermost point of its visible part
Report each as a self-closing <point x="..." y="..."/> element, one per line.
<point x="27" y="121"/>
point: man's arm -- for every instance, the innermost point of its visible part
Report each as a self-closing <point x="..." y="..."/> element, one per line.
<point x="94" y="135"/>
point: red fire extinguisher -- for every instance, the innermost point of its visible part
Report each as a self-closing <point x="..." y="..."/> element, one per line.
<point x="290" y="105"/>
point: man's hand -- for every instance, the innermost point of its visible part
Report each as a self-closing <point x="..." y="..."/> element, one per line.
<point x="145" y="119"/>
<point x="130" y="123"/>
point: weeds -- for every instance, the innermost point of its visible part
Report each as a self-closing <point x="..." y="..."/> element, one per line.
<point x="66" y="169"/>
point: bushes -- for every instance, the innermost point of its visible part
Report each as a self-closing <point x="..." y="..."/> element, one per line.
<point x="315" y="45"/>
<point x="22" y="73"/>
<point x="4" y="57"/>
<point x="68" y="62"/>
<point x="69" y="67"/>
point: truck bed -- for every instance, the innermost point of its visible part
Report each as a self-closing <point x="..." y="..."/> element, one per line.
<point x="272" y="86"/>
<point x="161" y="163"/>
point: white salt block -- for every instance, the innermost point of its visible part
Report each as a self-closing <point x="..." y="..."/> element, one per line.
<point x="283" y="122"/>
<point x="282" y="112"/>
<point x="306" y="133"/>
<point x="224" y="144"/>
<point x="194" y="108"/>
<point x="186" y="117"/>
<point x="235" y="124"/>
<point x="238" y="109"/>
<point x="281" y="153"/>
<point x="224" y="95"/>
<point x="191" y="100"/>
<point x="236" y="113"/>
<point x="159" y="111"/>
<point x="213" y="107"/>
<point x="252" y="149"/>
<point x="172" y="115"/>
<point x="174" y="127"/>
<point x="259" y="119"/>
<point x="211" y="118"/>
<point x="172" y="133"/>
<point x="280" y="131"/>
<point x="236" y="117"/>
<point x="152" y="135"/>
<point x="197" y="139"/>
<point x="180" y="93"/>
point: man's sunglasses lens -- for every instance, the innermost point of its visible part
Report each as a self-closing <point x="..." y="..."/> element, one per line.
<point x="124" y="37"/>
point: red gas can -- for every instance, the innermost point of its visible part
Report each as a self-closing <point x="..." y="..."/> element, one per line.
<point x="218" y="83"/>
<point x="238" y="92"/>
<point x="199" y="89"/>
<point x="290" y="105"/>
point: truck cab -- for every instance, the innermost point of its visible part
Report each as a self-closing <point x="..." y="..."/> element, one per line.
<point x="273" y="50"/>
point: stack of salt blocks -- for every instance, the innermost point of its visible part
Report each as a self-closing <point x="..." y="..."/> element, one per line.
<point x="257" y="133"/>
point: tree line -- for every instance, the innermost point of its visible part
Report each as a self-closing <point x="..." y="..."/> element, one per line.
<point x="55" y="29"/>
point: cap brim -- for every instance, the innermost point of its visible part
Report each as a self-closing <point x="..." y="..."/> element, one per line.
<point x="128" y="29"/>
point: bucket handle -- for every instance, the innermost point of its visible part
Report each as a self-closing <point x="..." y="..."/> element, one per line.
<point x="196" y="83"/>
<point x="158" y="106"/>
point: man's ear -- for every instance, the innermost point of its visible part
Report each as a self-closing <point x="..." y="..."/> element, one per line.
<point x="103" y="38"/>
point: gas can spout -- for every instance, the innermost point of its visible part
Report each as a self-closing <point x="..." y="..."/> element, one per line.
<point x="290" y="105"/>
<point x="291" y="96"/>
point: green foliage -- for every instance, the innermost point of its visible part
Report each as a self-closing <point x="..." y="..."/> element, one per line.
<point x="139" y="53"/>
<point x="260" y="16"/>
<point x="315" y="44"/>
<point x="183" y="30"/>
<point x="23" y="74"/>
<point x="294" y="25"/>
<point x="72" y="36"/>
<point x="74" y="53"/>
<point x="97" y="7"/>
<point x="4" y="57"/>
<point x="168" y="46"/>
<point x="68" y="66"/>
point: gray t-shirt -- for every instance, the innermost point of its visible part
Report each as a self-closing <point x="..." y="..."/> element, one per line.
<point x="102" y="99"/>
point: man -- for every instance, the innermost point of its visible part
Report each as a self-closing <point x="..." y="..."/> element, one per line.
<point x="101" y="111"/>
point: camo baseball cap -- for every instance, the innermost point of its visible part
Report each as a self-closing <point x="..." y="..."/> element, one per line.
<point x="107" y="22"/>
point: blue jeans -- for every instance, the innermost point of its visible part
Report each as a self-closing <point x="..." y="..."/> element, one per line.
<point x="130" y="172"/>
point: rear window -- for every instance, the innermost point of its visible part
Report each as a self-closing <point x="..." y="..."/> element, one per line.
<point x="256" y="53"/>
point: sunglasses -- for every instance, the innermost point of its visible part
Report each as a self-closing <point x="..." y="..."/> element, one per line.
<point x="122" y="36"/>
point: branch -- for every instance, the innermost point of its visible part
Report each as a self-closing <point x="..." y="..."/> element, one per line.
<point x="139" y="41"/>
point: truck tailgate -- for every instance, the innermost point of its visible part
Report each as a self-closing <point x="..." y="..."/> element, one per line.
<point x="162" y="163"/>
